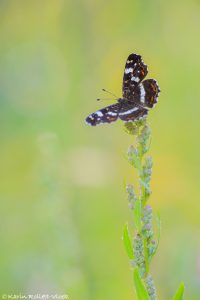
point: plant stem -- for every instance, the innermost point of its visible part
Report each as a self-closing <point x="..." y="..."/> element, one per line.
<point x="144" y="246"/>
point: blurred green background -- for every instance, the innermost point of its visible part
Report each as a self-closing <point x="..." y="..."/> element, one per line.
<point x="63" y="201"/>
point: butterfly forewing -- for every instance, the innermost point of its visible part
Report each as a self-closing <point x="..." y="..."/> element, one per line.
<point x="107" y="114"/>
<point x="134" y="72"/>
<point x="123" y="110"/>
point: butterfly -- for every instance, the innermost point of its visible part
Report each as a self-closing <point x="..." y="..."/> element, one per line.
<point x="138" y="95"/>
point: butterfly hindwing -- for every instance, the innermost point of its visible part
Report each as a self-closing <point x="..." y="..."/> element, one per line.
<point x="134" y="72"/>
<point x="146" y="93"/>
<point x="130" y="112"/>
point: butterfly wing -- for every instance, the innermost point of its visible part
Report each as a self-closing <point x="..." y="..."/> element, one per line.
<point x="135" y="71"/>
<point x="146" y="93"/>
<point x="138" y="95"/>
<point x="124" y="110"/>
<point x="107" y="114"/>
<point x="130" y="112"/>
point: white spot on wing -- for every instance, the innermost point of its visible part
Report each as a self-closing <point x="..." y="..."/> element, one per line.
<point x="136" y="79"/>
<point x="128" y="111"/>
<point x="128" y="70"/>
<point x="112" y="113"/>
<point x="99" y="113"/>
<point x="142" y="93"/>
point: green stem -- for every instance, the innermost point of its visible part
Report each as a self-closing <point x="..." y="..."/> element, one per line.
<point x="146" y="256"/>
<point x="142" y="213"/>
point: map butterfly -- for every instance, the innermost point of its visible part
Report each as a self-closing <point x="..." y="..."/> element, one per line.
<point x="138" y="96"/>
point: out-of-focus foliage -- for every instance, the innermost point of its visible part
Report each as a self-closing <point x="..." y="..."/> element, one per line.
<point x="63" y="199"/>
<point x="180" y="292"/>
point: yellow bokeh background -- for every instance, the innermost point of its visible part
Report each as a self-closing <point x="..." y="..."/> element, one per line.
<point x="62" y="187"/>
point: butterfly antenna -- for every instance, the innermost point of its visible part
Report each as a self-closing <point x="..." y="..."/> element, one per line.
<point x="98" y="99"/>
<point x="104" y="90"/>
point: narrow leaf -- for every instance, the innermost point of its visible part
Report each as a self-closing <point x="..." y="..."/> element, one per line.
<point x="179" y="292"/>
<point x="137" y="215"/>
<point x="127" y="242"/>
<point x="139" y="286"/>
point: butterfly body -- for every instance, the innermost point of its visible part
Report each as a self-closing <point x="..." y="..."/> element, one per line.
<point x="138" y="95"/>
